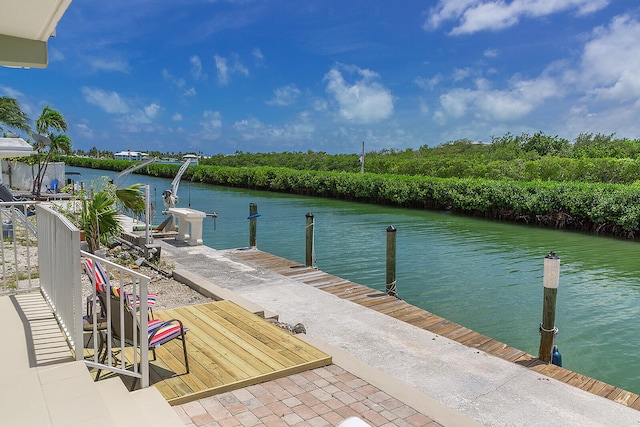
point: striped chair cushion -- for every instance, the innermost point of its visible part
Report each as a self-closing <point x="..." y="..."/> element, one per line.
<point x="151" y="300"/>
<point x="99" y="275"/>
<point x="164" y="331"/>
<point x="102" y="283"/>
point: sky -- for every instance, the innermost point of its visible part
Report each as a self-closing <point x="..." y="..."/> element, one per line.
<point x="221" y="76"/>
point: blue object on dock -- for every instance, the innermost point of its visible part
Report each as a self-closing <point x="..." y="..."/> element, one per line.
<point x="254" y="216"/>
<point x="556" y="357"/>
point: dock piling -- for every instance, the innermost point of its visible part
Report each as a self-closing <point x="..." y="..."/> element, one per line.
<point x="391" y="262"/>
<point x="548" y="330"/>
<point x="309" y="253"/>
<point x="253" y="224"/>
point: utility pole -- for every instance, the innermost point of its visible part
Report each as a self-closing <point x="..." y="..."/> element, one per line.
<point x="362" y="159"/>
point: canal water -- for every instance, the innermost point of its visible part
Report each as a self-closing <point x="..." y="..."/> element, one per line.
<point x="482" y="274"/>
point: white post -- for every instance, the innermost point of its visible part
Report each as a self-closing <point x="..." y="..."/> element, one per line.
<point x="147" y="209"/>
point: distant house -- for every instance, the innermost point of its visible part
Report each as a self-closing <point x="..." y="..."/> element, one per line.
<point x="130" y="155"/>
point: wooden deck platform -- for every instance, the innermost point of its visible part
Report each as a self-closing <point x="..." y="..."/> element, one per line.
<point x="228" y="348"/>
<point x="416" y="316"/>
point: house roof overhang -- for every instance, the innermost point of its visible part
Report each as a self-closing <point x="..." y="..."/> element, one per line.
<point x="25" y="28"/>
<point x="15" y="147"/>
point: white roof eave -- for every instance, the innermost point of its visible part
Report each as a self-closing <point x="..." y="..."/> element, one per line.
<point x="15" y="147"/>
<point x="25" y="28"/>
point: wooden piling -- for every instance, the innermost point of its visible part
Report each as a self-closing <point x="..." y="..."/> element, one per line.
<point x="391" y="262"/>
<point x="253" y="224"/>
<point x="548" y="330"/>
<point x="309" y="240"/>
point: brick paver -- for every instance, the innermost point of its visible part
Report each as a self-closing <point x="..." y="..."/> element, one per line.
<point x="317" y="398"/>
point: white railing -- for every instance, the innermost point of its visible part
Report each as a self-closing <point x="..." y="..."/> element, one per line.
<point x="56" y="252"/>
<point x="101" y="320"/>
<point x="59" y="259"/>
<point x="18" y="248"/>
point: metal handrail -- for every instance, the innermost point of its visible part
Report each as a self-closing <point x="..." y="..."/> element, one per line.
<point x="101" y="331"/>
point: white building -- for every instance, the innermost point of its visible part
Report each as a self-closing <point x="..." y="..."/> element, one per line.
<point x="130" y="155"/>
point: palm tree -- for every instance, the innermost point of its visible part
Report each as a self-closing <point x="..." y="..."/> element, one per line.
<point x="99" y="220"/>
<point x="12" y="116"/>
<point x="60" y="143"/>
<point x="50" y="118"/>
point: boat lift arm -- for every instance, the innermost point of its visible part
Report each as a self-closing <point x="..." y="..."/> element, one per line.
<point x="119" y="178"/>
<point x="170" y="197"/>
<point x="176" y="181"/>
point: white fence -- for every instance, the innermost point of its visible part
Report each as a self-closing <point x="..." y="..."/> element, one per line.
<point x="19" y="176"/>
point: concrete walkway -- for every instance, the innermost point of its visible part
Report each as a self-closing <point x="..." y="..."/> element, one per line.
<point x="448" y="377"/>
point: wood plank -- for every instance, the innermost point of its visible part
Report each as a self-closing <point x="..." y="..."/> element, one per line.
<point x="228" y="348"/>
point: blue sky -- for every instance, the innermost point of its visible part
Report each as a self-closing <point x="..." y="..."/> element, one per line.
<point x="274" y="75"/>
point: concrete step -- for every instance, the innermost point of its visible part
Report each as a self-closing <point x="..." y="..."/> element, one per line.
<point x="157" y="411"/>
<point x="71" y="396"/>
<point x="144" y="407"/>
<point x="206" y="287"/>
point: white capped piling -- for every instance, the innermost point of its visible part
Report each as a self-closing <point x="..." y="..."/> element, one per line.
<point x="253" y="224"/>
<point x="391" y="262"/>
<point x="548" y="330"/>
<point x="309" y="252"/>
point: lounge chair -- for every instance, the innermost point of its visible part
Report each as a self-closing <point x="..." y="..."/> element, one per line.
<point x="159" y="332"/>
<point x="53" y="186"/>
<point x="100" y="280"/>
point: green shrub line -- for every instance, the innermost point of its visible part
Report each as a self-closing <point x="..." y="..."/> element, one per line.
<point x="599" y="207"/>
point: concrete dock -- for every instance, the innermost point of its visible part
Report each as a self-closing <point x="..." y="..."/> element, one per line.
<point x="443" y="376"/>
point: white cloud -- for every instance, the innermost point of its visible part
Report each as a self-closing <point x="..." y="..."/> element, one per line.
<point x="55" y="55"/>
<point x="518" y="100"/>
<point x="225" y="70"/>
<point x="115" y="64"/>
<point x="258" y="56"/>
<point x="610" y="67"/>
<point x="11" y="92"/>
<point x="461" y="74"/>
<point x="211" y="125"/>
<point x="490" y="53"/>
<point x="139" y="120"/>
<point x="110" y="102"/>
<point x="471" y="16"/>
<point x="151" y="110"/>
<point x="428" y="84"/>
<point x="196" y="68"/>
<point x="84" y="131"/>
<point x="301" y="129"/>
<point x="177" y="117"/>
<point x="365" y="100"/>
<point x="285" y="95"/>
<point x="320" y="105"/>
<point x="174" y="80"/>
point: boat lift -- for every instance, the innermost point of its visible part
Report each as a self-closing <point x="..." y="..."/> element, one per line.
<point x="170" y="199"/>
<point x="119" y="178"/>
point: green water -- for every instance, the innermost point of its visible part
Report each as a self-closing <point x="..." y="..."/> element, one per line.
<point x="481" y="274"/>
